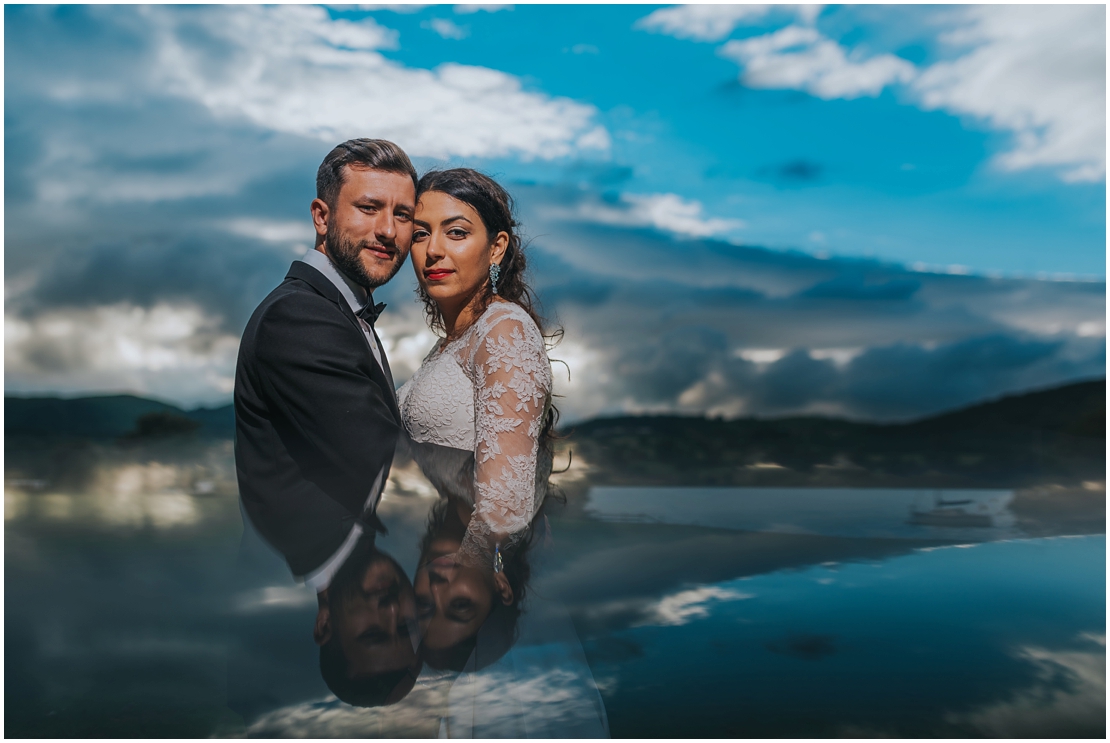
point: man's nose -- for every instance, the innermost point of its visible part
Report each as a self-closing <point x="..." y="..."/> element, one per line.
<point x="386" y="228"/>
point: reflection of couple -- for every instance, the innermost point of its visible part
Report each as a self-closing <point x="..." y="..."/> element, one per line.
<point x="317" y="418"/>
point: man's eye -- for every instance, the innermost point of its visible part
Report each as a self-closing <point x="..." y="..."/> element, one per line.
<point x="402" y="217"/>
<point x="424" y="607"/>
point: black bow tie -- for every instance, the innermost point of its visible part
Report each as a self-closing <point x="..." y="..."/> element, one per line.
<point x="370" y="312"/>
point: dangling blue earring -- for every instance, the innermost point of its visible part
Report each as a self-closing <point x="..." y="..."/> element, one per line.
<point x="494" y="275"/>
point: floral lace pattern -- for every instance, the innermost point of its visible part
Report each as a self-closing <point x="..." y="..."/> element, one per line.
<point x="488" y="392"/>
<point x="437" y="404"/>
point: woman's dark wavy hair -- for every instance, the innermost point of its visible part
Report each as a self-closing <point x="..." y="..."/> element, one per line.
<point x="495" y="207"/>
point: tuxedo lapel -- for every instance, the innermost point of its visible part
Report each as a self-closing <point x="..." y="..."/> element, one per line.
<point x="385" y="361"/>
<point x="320" y="283"/>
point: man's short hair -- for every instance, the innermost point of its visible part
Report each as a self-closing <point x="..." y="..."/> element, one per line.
<point x="373" y="154"/>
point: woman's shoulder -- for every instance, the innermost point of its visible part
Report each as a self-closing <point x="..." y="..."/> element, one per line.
<point x="503" y="318"/>
<point x="504" y="331"/>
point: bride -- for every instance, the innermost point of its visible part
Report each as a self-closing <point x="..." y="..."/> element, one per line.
<point x="478" y="411"/>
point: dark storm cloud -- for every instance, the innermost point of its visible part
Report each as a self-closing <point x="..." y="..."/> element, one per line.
<point x="792" y="172"/>
<point x="853" y="287"/>
<point x="602" y="175"/>
<point x="670" y="363"/>
<point x="792" y="383"/>
<point x="903" y="380"/>
<point x="225" y="276"/>
<point x="700" y="324"/>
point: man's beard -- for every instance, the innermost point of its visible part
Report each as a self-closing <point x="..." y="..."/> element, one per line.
<point x="345" y="255"/>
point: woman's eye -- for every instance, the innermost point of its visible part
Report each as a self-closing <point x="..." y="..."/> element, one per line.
<point x="419" y="235"/>
<point x="457" y="234"/>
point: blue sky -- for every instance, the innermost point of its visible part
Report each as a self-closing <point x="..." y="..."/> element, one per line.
<point x="872" y="211"/>
<point x="871" y="175"/>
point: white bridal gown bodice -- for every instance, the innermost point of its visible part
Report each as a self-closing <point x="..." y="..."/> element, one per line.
<point x="474" y="411"/>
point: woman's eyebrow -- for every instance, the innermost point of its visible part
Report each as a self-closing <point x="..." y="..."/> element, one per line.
<point x="456" y="218"/>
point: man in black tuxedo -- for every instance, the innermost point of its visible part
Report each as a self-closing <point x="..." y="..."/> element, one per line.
<point x="316" y="419"/>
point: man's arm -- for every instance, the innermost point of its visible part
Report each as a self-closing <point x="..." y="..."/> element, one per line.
<point x="332" y="415"/>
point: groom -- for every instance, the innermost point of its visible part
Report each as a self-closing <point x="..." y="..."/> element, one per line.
<point x="316" y="417"/>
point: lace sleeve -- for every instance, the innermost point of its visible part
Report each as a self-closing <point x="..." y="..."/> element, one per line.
<point x="512" y="390"/>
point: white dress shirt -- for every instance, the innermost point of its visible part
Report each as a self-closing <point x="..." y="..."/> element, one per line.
<point x="357" y="297"/>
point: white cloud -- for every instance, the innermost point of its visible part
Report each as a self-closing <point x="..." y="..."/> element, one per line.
<point x="446" y="28"/>
<point x="839" y="356"/>
<point x="394" y="8"/>
<point x="801" y="58"/>
<point x="671" y="212"/>
<point x="761" y="355"/>
<point x="1036" y="70"/>
<point x="298" y="232"/>
<point x="715" y="22"/>
<point x="664" y="211"/>
<point x="165" y="351"/>
<point x="293" y="69"/>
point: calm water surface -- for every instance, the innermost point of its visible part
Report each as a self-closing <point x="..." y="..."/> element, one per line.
<point x="135" y="607"/>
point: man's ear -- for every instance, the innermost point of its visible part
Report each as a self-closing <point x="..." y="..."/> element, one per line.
<point x="321" y="633"/>
<point x="320" y="214"/>
<point x="502" y="588"/>
<point x="498" y="247"/>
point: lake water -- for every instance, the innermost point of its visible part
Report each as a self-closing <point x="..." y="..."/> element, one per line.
<point x="135" y="607"/>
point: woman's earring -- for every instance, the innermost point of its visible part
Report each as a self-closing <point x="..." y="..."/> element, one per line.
<point x="498" y="564"/>
<point x="494" y="275"/>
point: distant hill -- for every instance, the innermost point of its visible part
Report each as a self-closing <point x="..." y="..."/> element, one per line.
<point x="1078" y="409"/>
<point x="1055" y="435"/>
<point x="105" y="417"/>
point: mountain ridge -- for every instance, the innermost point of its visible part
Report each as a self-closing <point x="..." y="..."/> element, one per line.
<point x="1045" y="436"/>
<point x="116" y="415"/>
<point x="1054" y="435"/>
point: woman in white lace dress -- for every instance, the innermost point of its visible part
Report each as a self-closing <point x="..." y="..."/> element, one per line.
<point x="478" y="411"/>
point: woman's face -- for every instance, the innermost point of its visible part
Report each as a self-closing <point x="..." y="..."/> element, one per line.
<point x="451" y="250"/>
<point x="452" y="600"/>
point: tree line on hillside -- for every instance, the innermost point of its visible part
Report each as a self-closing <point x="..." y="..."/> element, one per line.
<point x="1055" y="435"/>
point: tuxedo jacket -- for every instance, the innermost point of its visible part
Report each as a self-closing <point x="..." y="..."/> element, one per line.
<point x="315" y="419"/>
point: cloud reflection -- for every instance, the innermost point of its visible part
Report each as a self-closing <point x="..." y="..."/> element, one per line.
<point x="129" y="495"/>
<point x="1068" y="699"/>
<point x="683" y="607"/>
